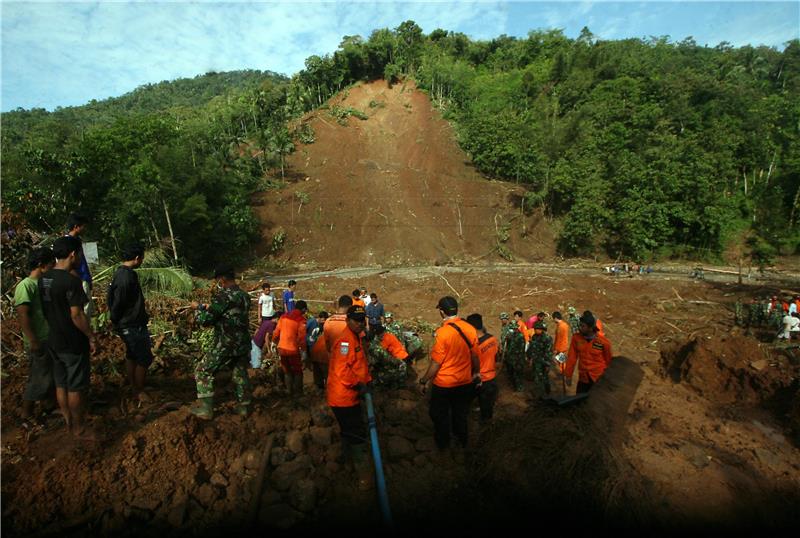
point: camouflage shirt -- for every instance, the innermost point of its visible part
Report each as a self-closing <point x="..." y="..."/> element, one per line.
<point x="541" y="348"/>
<point x="574" y="323"/>
<point x="229" y="313"/>
<point x="512" y="342"/>
<point x="385" y="369"/>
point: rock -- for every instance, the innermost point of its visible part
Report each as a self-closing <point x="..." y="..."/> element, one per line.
<point x="405" y="394"/>
<point x="260" y="392"/>
<point x="768" y="457"/>
<point x="278" y="456"/>
<point x="299" y="419"/>
<point x="281" y="516"/>
<point x="406" y="406"/>
<point x="295" y="441"/>
<point x="270" y="496"/>
<point x="303" y="495"/>
<point x="331" y="467"/>
<point x="426" y="444"/>
<point x="421" y="460"/>
<point x="288" y="473"/>
<point x="317" y="454"/>
<point x="148" y="503"/>
<point x="177" y="515"/>
<point x="205" y="495"/>
<point x="321" y="436"/>
<point x="237" y="466"/>
<point x="218" y="480"/>
<point x="252" y="459"/>
<point x="399" y="447"/>
<point x="759" y="365"/>
<point x="211" y="433"/>
<point x="321" y="416"/>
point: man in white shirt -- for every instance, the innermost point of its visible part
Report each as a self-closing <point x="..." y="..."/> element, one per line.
<point x="266" y="302"/>
<point x="791" y="327"/>
<point x="365" y="297"/>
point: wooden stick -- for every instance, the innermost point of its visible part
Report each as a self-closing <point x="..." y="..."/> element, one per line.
<point x="448" y="284"/>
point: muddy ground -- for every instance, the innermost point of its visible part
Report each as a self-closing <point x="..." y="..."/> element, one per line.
<point x="695" y="425"/>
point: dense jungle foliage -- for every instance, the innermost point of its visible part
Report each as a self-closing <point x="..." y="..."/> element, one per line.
<point x="641" y="148"/>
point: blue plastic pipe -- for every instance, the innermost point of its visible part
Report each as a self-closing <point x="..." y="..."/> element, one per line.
<point x="380" y="480"/>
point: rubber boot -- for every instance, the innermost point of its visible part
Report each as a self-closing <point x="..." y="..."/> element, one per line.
<point x="203" y="408"/>
<point x="298" y="384"/>
<point x="362" y="466"/>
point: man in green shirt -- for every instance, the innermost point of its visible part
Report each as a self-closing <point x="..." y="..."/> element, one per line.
<point x="35" y="331"/>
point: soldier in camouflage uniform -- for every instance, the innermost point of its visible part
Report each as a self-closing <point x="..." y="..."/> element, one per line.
<point x="410" y="340"/>
<point x="512" y="350"/>
<point x="386" y="370"/>
<point x="540" y="353"/>
<point x="229" y="315"/>
<point x="573" y="319"/>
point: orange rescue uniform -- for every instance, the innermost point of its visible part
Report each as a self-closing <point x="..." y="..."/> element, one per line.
<point x="348" y="366"/>
<point x="593" y="357"/>
<point x="453" y="354"/>
<point x="334" y="328"/>
<point x="524" y="330"/>
<point x="359" y="302"/>
<point x="319" y="353"/>
<point x="561" y="343"/>
<point x="599" y="325"/>
<point x="290" y="334"/>
<point x="487" y="355"/>
<point x="395" y="347"/>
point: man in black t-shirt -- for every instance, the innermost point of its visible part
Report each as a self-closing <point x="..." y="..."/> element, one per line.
<point x="71" y="336"/>
<point x="129" y="317"/>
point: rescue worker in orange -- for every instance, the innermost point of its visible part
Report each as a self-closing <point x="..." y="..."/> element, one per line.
<point x="455" y="370"/>
<point x="560" y="340"/>
<point x="348" y="380"/>
<point x="337" y="323"/>
<point x="487" y="357"/>
<point x="518" y="318"/>
<point x="357" y="300"/>
<point x="591" y="351"/>
<point x="290" y="336"/>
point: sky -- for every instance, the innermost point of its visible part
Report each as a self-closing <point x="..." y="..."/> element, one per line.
<point x="67" y="53"/>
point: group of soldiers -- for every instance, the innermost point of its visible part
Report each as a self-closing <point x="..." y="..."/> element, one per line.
<point x="766" y="313"/>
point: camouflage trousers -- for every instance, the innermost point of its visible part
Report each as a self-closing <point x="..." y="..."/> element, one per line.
<point x="392" y="375"/>
<point x="206" y="370"/>
<point x="515" y="366"/>
<point x="541" y="375"/>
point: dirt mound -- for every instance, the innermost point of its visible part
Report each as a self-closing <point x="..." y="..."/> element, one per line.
<point x="393" y="188"/>
<point x="727" y="370"/>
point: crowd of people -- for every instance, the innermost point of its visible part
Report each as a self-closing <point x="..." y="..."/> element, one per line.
<point x="358" y="347"/>
<point x="774" y="313"/>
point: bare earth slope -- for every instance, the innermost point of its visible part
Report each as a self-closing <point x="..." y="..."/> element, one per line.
<point x="392" y="189"/>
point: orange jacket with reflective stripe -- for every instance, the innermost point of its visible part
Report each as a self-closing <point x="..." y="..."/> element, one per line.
<point x="290" y="334"/>
<point x="487" y="355"/>
<point x="395" y="347"/>
<point x="453" y="354"/>
<point x="593" y="357"/>
<point x="348" y="366"/>
<point x="524" y="330"/>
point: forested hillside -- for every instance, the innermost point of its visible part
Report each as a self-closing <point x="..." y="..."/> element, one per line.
<point x="642" y="148"/>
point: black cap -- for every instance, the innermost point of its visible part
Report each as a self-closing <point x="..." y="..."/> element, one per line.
<point x="356" y="313"/>
<point x="588" y="319"/>
<point x="224" y="270"/>
<point x="476" y="320"/>
<point x="448" y="305"/>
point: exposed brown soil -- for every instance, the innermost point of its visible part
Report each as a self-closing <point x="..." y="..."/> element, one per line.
<point x="695" y="424"/>
<point x="393" y="189"/>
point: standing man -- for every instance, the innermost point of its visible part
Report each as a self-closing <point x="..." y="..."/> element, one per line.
<point x="129" y="317"/>
<point x="487" y="354"/>
<point x="540" y="353"/>
<point x="454" y="368"/>
<point x="290" y="335"/>
<point x="364" y="296"/>
<point x="28" y="303"/>
<point x="71" y="337"/>
<point x="573" y="320"/>
<point x="288" y="297"/>
<point x="348" y="379"/>
<point x="560" y="340"/>
<point x="229" y="314"/>
<point x="591" y="351"/>
<point x="512" y="345"/>
<point x="374" y="312"/>
<point x="76" y="225"/>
